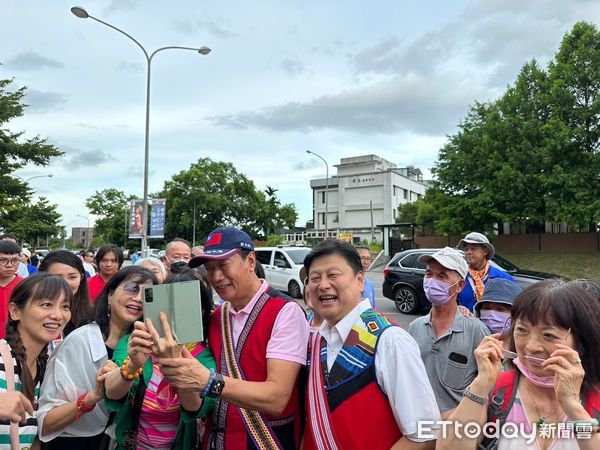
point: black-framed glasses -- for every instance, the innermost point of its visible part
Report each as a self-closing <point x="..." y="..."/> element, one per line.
<point x="11" y="261"/>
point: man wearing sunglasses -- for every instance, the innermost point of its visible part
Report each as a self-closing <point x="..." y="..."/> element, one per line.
<point x="9" y="262"/>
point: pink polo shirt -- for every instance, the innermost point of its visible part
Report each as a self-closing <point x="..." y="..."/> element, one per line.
<point x="289" y="338"/>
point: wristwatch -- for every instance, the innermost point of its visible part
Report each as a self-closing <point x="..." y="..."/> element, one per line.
<point x="217" y="386"/>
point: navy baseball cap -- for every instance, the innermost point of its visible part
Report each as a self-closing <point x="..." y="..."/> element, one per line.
<point x="498" y="290"/>
<point x="221" y="244"/>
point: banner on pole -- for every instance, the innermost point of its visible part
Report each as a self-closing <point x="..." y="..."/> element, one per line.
<point x="136" y="221"/>
<point x="157" y="218"/>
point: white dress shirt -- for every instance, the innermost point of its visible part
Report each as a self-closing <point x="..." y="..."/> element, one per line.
<point x="398" y="368"/>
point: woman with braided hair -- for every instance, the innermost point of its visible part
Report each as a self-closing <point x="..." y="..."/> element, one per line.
<point x="39" y="308"/>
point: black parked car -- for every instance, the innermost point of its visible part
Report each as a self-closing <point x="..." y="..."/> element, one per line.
<point x="403" y="278"/>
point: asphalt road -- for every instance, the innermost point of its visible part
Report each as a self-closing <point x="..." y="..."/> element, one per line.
<point x="387" y="306"/>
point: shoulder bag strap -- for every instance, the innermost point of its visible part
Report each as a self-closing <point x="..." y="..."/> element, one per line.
<point x="10" y="387"/>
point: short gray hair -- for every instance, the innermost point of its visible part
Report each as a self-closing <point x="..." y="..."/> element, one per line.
<point x="155" y="262"/>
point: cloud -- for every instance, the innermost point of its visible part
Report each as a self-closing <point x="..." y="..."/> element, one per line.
<point x="87" y="125"/>
<point x="292" y="67"/>
<point x="193" y="25"/>
<point x="420" y="105"/>
<point x="78" y="159"/>
<point x="306" y="165"/>
<point x="129" y="66"/>
<point x="33" y="61"/>
<point x="120" y="5"/>
<point x="44" y="101"/>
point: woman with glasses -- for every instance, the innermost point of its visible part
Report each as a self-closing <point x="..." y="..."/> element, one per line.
<point x="150" y="413"/>
<point x="67" y="265"/>
<point x="551" y="393"/>
<point x="72" y="413"/>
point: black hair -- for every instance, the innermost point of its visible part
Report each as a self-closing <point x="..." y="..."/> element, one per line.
<point x="259" y="270"/>
<point x="109" y="248"/>
<point x="9" y="248"/>
<point x="565" y="305"/>
<point x="81" y="307"/>
<point x="362" y="247"/>
<point x="101" y="314"/>
<point x="9" y="236"/>
<point x="333" y="247"/>
<point x="35" y="287"/>
<point x="205" y="294"/>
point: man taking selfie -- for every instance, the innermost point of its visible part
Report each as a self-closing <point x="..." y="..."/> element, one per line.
<point x="259" y="339"/>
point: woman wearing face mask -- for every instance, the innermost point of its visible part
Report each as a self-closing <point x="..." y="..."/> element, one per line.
<point x="554" y="383"/>
<point x="494" y="307"/>
<point x="39" y="309"/>
<point x="69" y="266"/>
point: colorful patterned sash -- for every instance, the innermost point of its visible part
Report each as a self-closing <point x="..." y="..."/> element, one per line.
<point x="319" y="415"/>
<point x="256" y="424"/>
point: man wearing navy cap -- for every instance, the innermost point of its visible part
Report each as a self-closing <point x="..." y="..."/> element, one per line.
<point x="259" y="339"/>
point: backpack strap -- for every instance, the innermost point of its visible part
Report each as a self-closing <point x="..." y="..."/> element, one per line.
<point x="591" y="402"/>
<point x="9" y="369"/>
<point x="501" y="400"/>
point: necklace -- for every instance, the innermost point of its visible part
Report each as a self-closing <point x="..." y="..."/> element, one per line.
<point x="541" y="419"/>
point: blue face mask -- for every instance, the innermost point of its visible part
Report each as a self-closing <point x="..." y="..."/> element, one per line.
<point x="495" y="320"/>
<point x="437" y="292"/>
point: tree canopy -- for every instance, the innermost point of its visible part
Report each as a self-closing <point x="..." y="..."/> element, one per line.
<point x="17" y="213"/>
<point x="531" y="156"/>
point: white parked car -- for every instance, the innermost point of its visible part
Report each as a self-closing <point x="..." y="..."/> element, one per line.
<point x="282" y="267"/>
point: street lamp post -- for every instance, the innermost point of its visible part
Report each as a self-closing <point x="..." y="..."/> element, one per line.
<point x="48" y="175"/>
<point x="326" y="193"/>
<point x="83" y="14"/>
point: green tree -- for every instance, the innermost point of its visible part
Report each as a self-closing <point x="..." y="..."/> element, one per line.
<point x="223" y="196"/>
<point x="33" y="222"/>
<point x="111" y="208"/>
<point x="533" y="154"/>
<point x="17" y="152"/>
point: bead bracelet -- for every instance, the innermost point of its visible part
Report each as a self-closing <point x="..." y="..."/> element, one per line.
<point x="125" y="373"/>
<point x="82" y="407"/>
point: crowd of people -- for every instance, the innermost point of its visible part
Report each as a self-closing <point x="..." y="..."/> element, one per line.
<point x="80" y="368"/>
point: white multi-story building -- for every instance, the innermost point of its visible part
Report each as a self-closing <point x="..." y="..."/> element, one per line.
<point x="365" y="193"/>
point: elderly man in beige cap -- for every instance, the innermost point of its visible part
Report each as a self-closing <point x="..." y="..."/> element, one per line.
<point x="478" y="252"/>
<point x="445" y="336"/>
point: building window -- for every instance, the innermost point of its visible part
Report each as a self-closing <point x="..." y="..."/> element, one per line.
<point x="323" y="197"/>
<point x="395" y="210"/>
<point x="322" y="218"/>
<point x="405" y="194"/>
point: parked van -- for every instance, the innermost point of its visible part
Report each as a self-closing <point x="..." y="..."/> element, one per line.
<point x="282" y="267"/>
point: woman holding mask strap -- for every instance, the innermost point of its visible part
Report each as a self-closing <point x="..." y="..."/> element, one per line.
<point x="555" y="379"/>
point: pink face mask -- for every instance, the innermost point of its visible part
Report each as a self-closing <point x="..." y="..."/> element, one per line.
<point x="545" y="382"/>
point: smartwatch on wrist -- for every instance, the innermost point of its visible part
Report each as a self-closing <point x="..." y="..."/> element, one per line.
<point x="216" y="388"/>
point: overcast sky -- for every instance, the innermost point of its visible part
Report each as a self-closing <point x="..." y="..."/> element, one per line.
<point x="341" y="78"/>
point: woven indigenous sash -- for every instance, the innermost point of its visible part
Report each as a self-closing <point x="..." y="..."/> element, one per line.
<point x="319" y="415"/>
<point x="256" y="424"/>
<point x="358" y="351"/>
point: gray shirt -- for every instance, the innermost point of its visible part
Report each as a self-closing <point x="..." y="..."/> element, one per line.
<point x="449" y="360"/>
